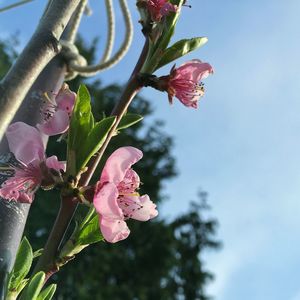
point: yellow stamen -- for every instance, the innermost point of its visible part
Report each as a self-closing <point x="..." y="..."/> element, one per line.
<point x="130" y="194"/>
<point x="48" y="98"/>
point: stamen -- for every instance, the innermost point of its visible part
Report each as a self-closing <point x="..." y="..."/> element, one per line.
<point x="48" y="98"/>
<point x="121" y="194"/>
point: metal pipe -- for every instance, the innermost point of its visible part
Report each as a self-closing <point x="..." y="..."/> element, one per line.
<point x="13" y="215"/>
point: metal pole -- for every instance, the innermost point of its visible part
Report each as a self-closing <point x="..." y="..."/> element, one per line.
<point x="13" y="215"/>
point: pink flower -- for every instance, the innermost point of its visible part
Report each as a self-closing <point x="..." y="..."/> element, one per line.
<point x="33" y="168"/>
<point x="184" y="82"/>
<point x="116" y="199"/>
<point x="57" y="112"/>
<point x="159" y="9"/>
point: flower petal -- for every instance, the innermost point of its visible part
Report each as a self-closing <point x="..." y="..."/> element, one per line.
<point x="130" y="182"/>
<point x="146" y="211"/>
<point x="159" y="8"/>
<point x="53" y="163"/>
<point x="12" y="189"/>
<point x="65" y="99"/>
<point x="194" y="70"/>
<point x="57" y="124"/>
<point x="111" y="219"/>
<point x="113" y="230"/>
<point x="167" y="7"/>
<point x="105" y="201"/>
<point x="25" y="142"/>
<point x="118" y="164"/>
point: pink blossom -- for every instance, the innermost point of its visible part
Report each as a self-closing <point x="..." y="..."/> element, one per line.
<point x="116" y="199"/>
<point x="159" y="9"/>
<point x="33" y="167"/>
<point x="57" y="112"/>
<point x="184" y="82"/>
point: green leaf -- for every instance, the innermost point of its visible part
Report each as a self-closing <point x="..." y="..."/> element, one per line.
<point x="87" y="232"/>
<point x="94" y="140"/>
<point x="129" y="120"/>
<point x="22" y="264"/>
<point x="13" y="294"/>
<point x="157" y="51"/>
<point x="180" y="49"/>
<point x="34" y="287"/>
<point x="90" y="232"/>
<point x="47" y="293"/>
<point x="82" y="121"/>
<point x="38" y="253"/>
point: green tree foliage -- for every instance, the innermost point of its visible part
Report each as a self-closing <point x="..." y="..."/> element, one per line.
<point x="160" y="259"/>
<point x="7" y="55"/>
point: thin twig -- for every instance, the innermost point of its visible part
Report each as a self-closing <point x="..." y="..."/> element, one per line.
<point x="14" y="5"/>
<point x="119" y="110"/>
<point x="47" y="262"/>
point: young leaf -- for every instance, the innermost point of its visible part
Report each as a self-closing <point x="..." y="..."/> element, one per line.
<point x="171" y="20"/>
<point x="90" y="233"/>
<point x="86" y="233"/>
<point x="47" y="293"/>
<point x="181" y="48"/>
<point x="38" y="253"/>
<point x="81" y="123"/>
<point x="129" y="120"/>
<point x="94" y="141"/>
<point x="13" y="293"/>
<point x="34" y="287"/>
<point x="22" y="264"/>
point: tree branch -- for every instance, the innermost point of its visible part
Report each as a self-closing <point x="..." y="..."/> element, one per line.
<point x="68" y="206"/>
<point x="42" y="47"/>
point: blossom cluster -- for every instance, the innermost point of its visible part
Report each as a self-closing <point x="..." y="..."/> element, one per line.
<point x="115" y="195"/>
<point x="27" y="144"/>
<point x="116" y="198"/>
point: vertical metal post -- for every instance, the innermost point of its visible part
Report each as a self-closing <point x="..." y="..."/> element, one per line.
<point x="13" y="215"/>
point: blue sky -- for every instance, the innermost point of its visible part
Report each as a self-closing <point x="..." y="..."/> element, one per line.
<point x="241" y="145"/>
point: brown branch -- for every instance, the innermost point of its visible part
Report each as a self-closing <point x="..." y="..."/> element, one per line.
<point x="132" y="88"/>
<point x="68" y="206"/>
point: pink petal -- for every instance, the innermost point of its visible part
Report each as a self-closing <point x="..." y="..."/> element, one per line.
<point x="130" y="182"/>
<point x="25" y="142"/>
<point x="160" y="8"/>
<point x="147" y="210"/>
<point x="113" y="230"/>
<point x="53" y="163"/>
<point x="12" y="190"/>
<point x="57" y="124"/>
<point x="194" y="70"/>
<point x="112" y="223"/>
<point x="167" y="7"/>
<point x="65" y="99"/>
<point x="105" y="201"/>
<point x="118" y="164"/>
